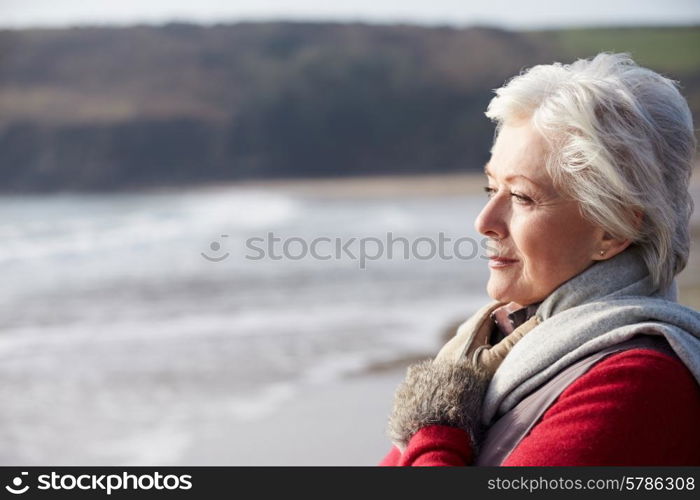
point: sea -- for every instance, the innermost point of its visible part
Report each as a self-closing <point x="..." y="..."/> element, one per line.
<point x="128" y="319"/>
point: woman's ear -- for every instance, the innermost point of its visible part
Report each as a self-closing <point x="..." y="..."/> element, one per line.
<point x="611" y="246"/>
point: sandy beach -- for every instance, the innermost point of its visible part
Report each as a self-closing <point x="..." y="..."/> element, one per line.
<point x="229" y="364"/>
<point x="339" y="424"/>
<point x="362" y="187"/>
<point x="344" y="424"/>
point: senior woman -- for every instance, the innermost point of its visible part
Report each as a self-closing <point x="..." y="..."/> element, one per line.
<point x="584" y="357"/>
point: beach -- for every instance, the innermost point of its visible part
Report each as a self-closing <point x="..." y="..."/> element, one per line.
<point x="186" y="326"/>
<point x="339" y="424"/>
<point x="344" y="424"/>
<point x="123" y="345"/>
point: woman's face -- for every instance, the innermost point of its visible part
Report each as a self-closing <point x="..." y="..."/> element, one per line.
<point x="539" y="239"/>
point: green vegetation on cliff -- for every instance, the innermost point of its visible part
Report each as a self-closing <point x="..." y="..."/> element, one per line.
<point x="115" y="108"/>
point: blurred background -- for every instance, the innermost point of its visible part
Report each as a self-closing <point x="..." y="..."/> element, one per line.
<point x="143" y="145"/>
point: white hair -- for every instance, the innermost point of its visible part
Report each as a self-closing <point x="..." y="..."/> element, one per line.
<point x="621" y="142"/>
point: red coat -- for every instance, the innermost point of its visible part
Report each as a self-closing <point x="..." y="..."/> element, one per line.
<point x="639" y="407"/>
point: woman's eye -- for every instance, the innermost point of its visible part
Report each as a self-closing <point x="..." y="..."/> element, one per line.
<point x="490" y="191"/>
<point x="521" y="198"/>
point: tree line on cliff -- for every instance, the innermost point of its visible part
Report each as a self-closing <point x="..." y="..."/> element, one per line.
<point x="181" y="104"/>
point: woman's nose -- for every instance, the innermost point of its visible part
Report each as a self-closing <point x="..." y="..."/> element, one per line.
<point x="491" y="220"/>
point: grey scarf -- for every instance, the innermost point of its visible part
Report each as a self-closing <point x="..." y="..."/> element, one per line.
<point x="608" y="303"/>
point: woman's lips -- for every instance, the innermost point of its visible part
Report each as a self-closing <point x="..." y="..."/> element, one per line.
<point x="501" y="262"/>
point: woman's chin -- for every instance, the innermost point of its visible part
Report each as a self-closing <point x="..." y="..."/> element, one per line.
<point x="504" y="293"/>
<point x="499" y="293"/>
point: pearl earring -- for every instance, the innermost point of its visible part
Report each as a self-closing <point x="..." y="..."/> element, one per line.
<point x="602" y="252"/>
